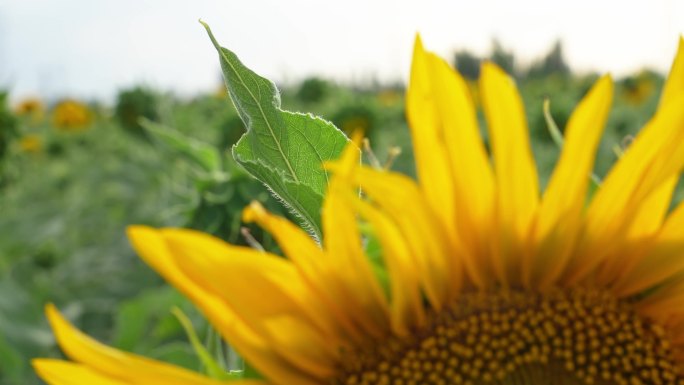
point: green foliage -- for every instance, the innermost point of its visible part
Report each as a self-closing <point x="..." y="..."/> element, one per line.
<point x="134" y="104"/>
<point x="284" y="150"/>
<point x="146" y="326"/>
<point x="502" y="58"/>
<point x="232" y="130"/>
<point x="220" y="188"/>
<point x="212" y="367"/>
<point x="356" y="116"/>
<point x="201" y="154"/>
<point x="62" y="237"/>
<point x="313" y="90"/>
<point x="552" y="64"/>
<point x="8" y="127"/>
<point x="468" y="64"/>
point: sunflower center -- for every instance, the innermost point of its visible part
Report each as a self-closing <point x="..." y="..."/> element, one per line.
<point x="522" y="338"/>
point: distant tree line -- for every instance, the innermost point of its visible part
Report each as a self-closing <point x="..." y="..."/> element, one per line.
<point x="551" y="64"/>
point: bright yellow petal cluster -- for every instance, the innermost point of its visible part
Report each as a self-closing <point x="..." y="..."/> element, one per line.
<point x="470" y="226"/>
<point x="94" y="363"/>
<point x="71" y="116"/>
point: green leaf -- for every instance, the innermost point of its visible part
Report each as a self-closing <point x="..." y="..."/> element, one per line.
<point x="297" y="196"/>
<point x="139" y="320"/>
<point x="213" y="368"/>
<point x="203" y="154"/>
<point x="12" y="362"/>
<point x="284" y="150"/>
<point x="251" y="373"/>
<point x="373" y="250"/>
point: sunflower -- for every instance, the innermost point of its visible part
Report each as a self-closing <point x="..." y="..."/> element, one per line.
<point x="30" y="107"/>
<point x="484" y="280"/>
<point x="31" y="143"/>
<point x="637" y="89"/>
<point x="71" y="116"/>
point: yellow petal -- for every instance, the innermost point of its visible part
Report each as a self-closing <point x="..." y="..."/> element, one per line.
<point x="406" y="308"/>
<point x="653" y="211"/>
<point x="561" y="207"/>
<point x="58" y="372"/>
<point x="265" y="291"/>
<point x="427" y="133"/>
<point x="352" y="266"/>
<point x="152" y="246"/>
<point x="675" y="223"/>
<point x="350" y="158"/>
<point x="515" y="171"/>
<point x="402" y="202"/>
<point x="112" y="363"/>
<point x="655" y="156"/>
<point x="674" y="85"/>
<point x="470" y="169"/>
<point x="342" y="297"/>
<point x="667" y="303"/>
<point x="662" y="260"/>
<point x="343" y="247"/>
<point x="244" y="276"/>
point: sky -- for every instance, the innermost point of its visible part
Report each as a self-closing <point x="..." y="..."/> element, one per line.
<point x="92" y="48"/>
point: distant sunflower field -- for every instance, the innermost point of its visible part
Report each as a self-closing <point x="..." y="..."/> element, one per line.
<point x="75" y="173"/>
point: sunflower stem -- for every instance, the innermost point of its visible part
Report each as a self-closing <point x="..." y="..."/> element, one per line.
<point x="392" y="155"/>
<point x="251" y="241"/>
<point x="374" y="162"/>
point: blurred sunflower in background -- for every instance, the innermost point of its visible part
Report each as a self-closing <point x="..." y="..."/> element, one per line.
<point x="355" y="117"/>
<point x="220" y="92"/>
<point x="481" y="279"/>
<point x="32" y="108"/>
<point x="31" y="143"/>
<point x="389" y="97"/>
<point x="639" y="88"/>
<point x="71" y="116"/>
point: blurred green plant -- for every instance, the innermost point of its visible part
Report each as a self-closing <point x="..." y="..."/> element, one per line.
<point x="553" y="64"/>
<point x="62" y="237"/>
<point x="232" y="129"/>
<point x="221" y="189"/>
<point x="132" y="105"/>
<point x="356" y="116"/>
<point x="468" y="64"/>
<point x="503" y="58"/>
<point x="313" y="90"/>
<point x="8" y="128"/>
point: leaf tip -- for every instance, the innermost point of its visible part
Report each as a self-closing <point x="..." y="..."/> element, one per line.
<point x="211" y="34"/>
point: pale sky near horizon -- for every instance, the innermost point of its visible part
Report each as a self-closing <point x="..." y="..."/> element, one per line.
<point x="91" y="48"/>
